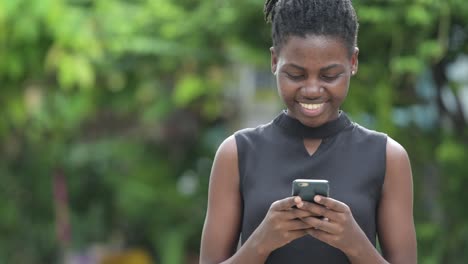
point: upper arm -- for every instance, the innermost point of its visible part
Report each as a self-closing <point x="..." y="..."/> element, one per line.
<point x="396" y="230"/>
<point x="223" y="217"/>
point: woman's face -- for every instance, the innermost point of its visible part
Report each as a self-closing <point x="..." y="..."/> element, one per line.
<point x="312" y="75"/>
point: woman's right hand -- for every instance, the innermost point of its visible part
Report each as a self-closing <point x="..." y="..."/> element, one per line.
<point x="281" y="225"/>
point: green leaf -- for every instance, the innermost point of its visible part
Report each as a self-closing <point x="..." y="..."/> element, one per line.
<point x="449" y="152"/>
<point x="75" y="70"/>
<point x="189" y="88"/>
<point x="431" y="49"/>
<point x="418" y="15"/>
<point x="407" y="64"/>
<point x="373" y="14"/>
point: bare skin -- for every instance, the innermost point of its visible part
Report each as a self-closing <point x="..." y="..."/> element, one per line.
<point x="312" y="145"/>
<point x="312" y="70"/>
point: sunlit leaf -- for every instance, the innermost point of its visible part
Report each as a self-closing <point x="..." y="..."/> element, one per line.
<point x="189" y="88"/>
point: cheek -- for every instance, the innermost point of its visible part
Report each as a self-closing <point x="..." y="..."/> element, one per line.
<point x="283" y="94"/>
<point x="340" y="92"/>
<point x="282" y="87"/>
<point x="286" y="88"/>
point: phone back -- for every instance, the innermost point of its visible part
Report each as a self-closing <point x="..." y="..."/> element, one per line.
<point x="307" y="189"/>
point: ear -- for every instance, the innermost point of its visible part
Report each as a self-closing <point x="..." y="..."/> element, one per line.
<point x="274" y="60"/>
<point x="355" y="61"/>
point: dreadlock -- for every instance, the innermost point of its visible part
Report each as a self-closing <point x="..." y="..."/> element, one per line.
<point x="335" y="18"/>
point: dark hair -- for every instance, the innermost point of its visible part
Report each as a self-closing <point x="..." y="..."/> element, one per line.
<point x="335" y="18"/>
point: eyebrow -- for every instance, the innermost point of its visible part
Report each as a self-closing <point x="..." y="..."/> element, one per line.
<point x="331" y="67"/>
<point x="321" y="69"/>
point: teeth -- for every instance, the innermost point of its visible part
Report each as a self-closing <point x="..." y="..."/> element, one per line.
<point x="311" y="106"/>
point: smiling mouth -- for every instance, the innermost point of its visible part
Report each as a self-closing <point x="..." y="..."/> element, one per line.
<point x="311" y="106"/>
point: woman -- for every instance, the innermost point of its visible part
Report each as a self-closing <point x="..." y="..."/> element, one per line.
<point x="313" y="57"/>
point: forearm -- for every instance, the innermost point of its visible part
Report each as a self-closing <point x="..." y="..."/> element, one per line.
<point x="251" y="252"/>
<point x="366" y="253"/>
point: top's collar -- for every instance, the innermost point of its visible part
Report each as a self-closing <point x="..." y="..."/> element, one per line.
<point x="295" y="127"/>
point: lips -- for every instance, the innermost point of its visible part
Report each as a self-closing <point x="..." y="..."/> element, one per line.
<point x="312" y="109"/>
<point x="312" y="106"/>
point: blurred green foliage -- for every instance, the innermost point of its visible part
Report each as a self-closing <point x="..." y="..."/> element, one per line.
<point x="125" y="98"/>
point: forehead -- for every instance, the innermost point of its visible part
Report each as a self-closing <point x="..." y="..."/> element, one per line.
<point x="314" y="49"/>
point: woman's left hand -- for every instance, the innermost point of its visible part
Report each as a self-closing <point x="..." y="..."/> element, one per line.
<point x="337" y="227"/>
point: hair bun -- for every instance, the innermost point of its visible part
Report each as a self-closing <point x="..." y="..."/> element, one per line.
<point x="269" y="10"/>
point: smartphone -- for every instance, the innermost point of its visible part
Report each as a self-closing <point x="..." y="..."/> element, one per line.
<point x="307" y="189"/>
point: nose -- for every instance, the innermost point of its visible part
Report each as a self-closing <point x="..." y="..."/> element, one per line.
<point x="311" y="89"/>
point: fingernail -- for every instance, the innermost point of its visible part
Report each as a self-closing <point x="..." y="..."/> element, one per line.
<point x="317" y="198"/>
<point x="299" y="205"/>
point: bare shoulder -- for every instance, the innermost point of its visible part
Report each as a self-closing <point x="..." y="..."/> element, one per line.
<point x="225" y="164"/>
<point x="227" y="149"/>
<point x="395" y="151"/>
<point x="396" y="225"/>
<point x="397" y="161"/>
<point x="223" y="217"/>
<point x="398" y="175"/>
<point x="225" y="171"/>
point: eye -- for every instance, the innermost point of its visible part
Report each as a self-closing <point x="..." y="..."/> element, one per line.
<point x="330" y="78"/>
<point x="295" y="77"/>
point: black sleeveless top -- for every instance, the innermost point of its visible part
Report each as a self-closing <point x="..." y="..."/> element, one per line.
<point x="271" y="156"/>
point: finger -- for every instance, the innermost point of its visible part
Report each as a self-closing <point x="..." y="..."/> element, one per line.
<point x="331" y="204"/>
<point x="318" y="210"/>
<point x="297" y="213"/>
<point x="297" y="225"/>
<point x="295" y="234"/>
<point x="321" y="235"/>
<point x="286" y="203"/>
<point x="321" y="224"/>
